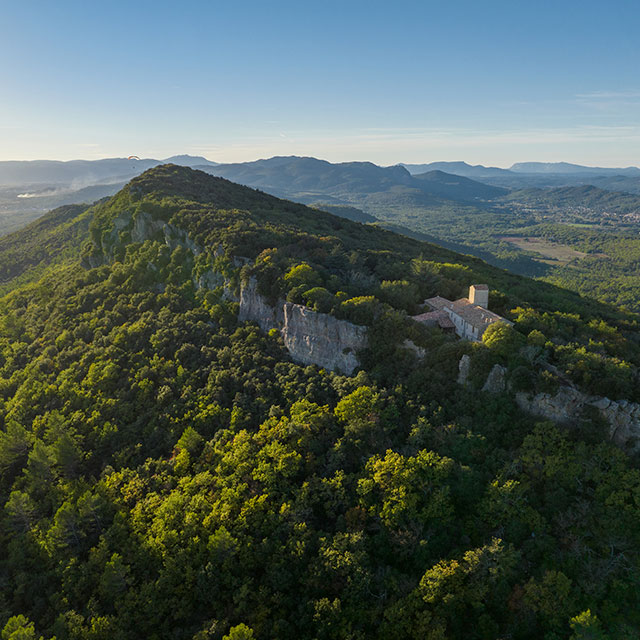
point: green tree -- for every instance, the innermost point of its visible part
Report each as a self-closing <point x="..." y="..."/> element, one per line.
<point x="19" y="628"/>
<point x="240" y="632"/>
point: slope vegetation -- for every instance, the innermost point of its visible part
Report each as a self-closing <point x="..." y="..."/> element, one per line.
<point x="53" y="238"/>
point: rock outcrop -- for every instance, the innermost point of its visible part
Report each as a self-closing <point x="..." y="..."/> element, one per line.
<point x="419" y="352"/>
<point x="567" y="405"/>
<point x="464" y="367"/>
<point x="321" y="339"/>
<point x="254" y="308"/>
<point x="496" y="380"/>
<point x="145" y="226"/>
<point x="310" y="337"/>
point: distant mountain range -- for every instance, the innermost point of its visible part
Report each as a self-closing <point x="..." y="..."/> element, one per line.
<point x="84" y="172"/>
<point x="524" y="175"/>
<point x="29" y="188"/>
<point x="565" y="168"/>
<point x="457" y="168"/>
<point x="296" y="175"/>
<point x="309" y="180"/>
<point x="548" y="168"/>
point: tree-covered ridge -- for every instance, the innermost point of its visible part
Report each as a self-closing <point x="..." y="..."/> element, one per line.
<point x="57" y="236"/>
<point x="168" y="472"/>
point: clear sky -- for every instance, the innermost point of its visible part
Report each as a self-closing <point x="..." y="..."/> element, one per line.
<point x="487" y="81"/>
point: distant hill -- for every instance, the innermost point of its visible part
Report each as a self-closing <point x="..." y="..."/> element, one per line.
<point x="458" y="187"/>
<point x="568" y="168"/>
<point x="186" y="160"/>
<point x="579" y="196"/>
<point x="81" y="173"/>
<point x="524" y="175"/>
<point x="294" y="175"/>
<point x="361" y="183"/>
<point x="518" y="181"/>
<point x="457" y="168"/>
<point x="629" y="184"/>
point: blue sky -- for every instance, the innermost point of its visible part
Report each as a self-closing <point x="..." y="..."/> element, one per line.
<point x="490" y="82"/>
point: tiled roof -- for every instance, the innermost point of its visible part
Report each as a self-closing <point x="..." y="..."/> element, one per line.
<point x="441" y="318"/>
<point x="438" y="303"/>
<point x="481" y="287"/>
<point x="475" y="315"/>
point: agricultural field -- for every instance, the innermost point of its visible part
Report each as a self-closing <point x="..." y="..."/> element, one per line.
<point x="553" y="253"/>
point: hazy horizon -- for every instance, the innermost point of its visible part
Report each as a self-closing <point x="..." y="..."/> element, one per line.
<point x="256" y="159"/>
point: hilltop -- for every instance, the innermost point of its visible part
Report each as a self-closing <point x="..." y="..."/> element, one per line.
<point x="30" y="188"/>
<point x="458" y="168"/>
<point x="183" y="451"/>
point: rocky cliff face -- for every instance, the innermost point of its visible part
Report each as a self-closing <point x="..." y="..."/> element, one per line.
<point x="254" y="308"/>
<point x="318" y="338"/>
<point x="145" y="226"/>
<point x="464" y="368"/>
<point x="310" y="337"/>
<point x="567" y="404"/>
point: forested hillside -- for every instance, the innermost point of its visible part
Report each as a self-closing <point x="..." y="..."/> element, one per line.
<point x="167" y="471"/>
<point x="56" y="236"/>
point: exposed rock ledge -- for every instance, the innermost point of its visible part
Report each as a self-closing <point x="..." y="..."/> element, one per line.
<point x="623" y="417"/>
<point x="310" y="337"/>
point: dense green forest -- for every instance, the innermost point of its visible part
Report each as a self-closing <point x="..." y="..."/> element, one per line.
<point x="169" y="472"/>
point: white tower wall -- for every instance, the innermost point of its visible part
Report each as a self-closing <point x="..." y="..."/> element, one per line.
<point x="479" y="294"/>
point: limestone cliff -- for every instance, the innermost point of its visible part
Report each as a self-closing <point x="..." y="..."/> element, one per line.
<point x="310" y="337"/>
<point x="319" y="338"/>
<point x="567" y="405"/>
<point x="464" y="368"/>
<point x="623" y="417"/>
<point x="254" y="308"/>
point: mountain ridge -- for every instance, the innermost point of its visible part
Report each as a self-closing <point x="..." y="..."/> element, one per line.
<point x="570" y="168"/>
